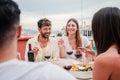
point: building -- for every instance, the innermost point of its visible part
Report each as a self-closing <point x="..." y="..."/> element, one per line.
<point x="87" y="31"/>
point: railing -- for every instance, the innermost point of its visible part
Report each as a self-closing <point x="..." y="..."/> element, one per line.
<point x="21" y="45"/>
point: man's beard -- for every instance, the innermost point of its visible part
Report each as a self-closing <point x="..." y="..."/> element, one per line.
<point x="44" y="35"/>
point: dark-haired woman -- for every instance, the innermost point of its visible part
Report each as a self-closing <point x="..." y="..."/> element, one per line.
<point x="106" y="34"/>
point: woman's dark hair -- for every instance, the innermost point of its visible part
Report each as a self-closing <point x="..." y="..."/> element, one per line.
<point x="9" y="18"/>
<point x="77" y="35"/>
<point x="106" y="28"/>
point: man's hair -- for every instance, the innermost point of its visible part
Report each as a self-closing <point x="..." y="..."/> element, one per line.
<point x="106" y="28"/>
<point x="44" y="22"/>
<point x="9" y="18"/>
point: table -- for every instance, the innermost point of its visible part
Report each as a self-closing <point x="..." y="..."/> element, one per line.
<point x="80" y="75"/>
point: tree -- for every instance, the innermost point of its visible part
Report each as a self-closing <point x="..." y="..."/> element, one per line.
<point x="59" y="34"/>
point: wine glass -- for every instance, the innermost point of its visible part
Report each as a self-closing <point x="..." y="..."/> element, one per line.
<point x="47" y="55"/>
<point x="69" y="52"/>
<point x="84" y="59"/>
<point x="67" y="64"/>
<point x="67" y="67"/>
<point x="78" y="54"/>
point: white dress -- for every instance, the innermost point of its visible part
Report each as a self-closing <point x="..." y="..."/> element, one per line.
<point x="85" y="42"/>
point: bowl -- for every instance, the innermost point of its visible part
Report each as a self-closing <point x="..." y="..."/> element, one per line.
<point x="82" y="74"/>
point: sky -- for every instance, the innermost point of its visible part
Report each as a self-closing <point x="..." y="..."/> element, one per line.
<point x="59" y="11"/>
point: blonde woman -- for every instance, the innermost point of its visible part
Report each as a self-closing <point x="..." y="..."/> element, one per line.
<point x="73" y="41"/>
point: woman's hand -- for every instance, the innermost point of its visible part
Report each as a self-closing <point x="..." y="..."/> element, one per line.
<point x="81" y="49"/>
<point x="86" y="50"/>
<point x="78" y="51"/>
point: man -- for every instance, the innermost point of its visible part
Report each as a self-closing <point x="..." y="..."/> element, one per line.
<point x="43" y="45"/>
<point x="10" y="67"/>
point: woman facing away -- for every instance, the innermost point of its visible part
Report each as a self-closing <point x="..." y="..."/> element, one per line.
<point x="73" y="41"/>
<point x="106" y="34"/>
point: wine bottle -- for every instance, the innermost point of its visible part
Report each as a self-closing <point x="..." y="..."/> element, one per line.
<point x="30" y="54"/>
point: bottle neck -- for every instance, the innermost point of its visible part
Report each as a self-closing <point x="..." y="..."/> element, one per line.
<point x="30" y="48"/>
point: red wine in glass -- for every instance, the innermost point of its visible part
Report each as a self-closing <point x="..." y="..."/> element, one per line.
<point x="47" y="57"/>
<point x="67" y="67"/>
<point x="78" y="55"/>
<point x="69" y="52"/>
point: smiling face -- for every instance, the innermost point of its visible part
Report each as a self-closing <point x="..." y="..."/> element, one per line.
<point x="71" y="28"/>
<point x="45" y="31"/>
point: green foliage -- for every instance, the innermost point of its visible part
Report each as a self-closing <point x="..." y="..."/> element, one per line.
<point x="59" y="34"/>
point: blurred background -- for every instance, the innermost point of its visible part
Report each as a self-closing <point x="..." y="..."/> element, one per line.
<point x="59" y="11"/>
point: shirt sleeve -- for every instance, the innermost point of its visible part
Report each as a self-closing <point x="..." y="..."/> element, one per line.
<point x="55" y="49"/>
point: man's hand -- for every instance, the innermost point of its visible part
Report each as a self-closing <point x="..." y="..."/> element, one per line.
<point x="61" y="43"/>
<point x="35" y="50"/>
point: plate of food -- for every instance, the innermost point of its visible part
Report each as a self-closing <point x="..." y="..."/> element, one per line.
<point x="82" y="71"/>
<point x="78" y="69"/>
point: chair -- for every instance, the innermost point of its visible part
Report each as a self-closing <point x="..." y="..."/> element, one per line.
<point x="21" y="45"/>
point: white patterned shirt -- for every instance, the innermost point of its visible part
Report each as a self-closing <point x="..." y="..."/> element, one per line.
<point x="51" y="49"/>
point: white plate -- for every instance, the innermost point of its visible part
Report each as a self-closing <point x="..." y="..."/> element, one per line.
<point x="82" y="74"/>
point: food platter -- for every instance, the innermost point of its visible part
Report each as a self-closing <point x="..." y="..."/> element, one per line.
<point x="82" y="71"/>
<point x="78" y="70"/>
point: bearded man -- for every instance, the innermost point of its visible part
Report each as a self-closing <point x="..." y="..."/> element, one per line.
<point x="43" y="45"/>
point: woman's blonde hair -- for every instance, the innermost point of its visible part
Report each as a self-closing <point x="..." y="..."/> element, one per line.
<point x="77" y="35"/>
